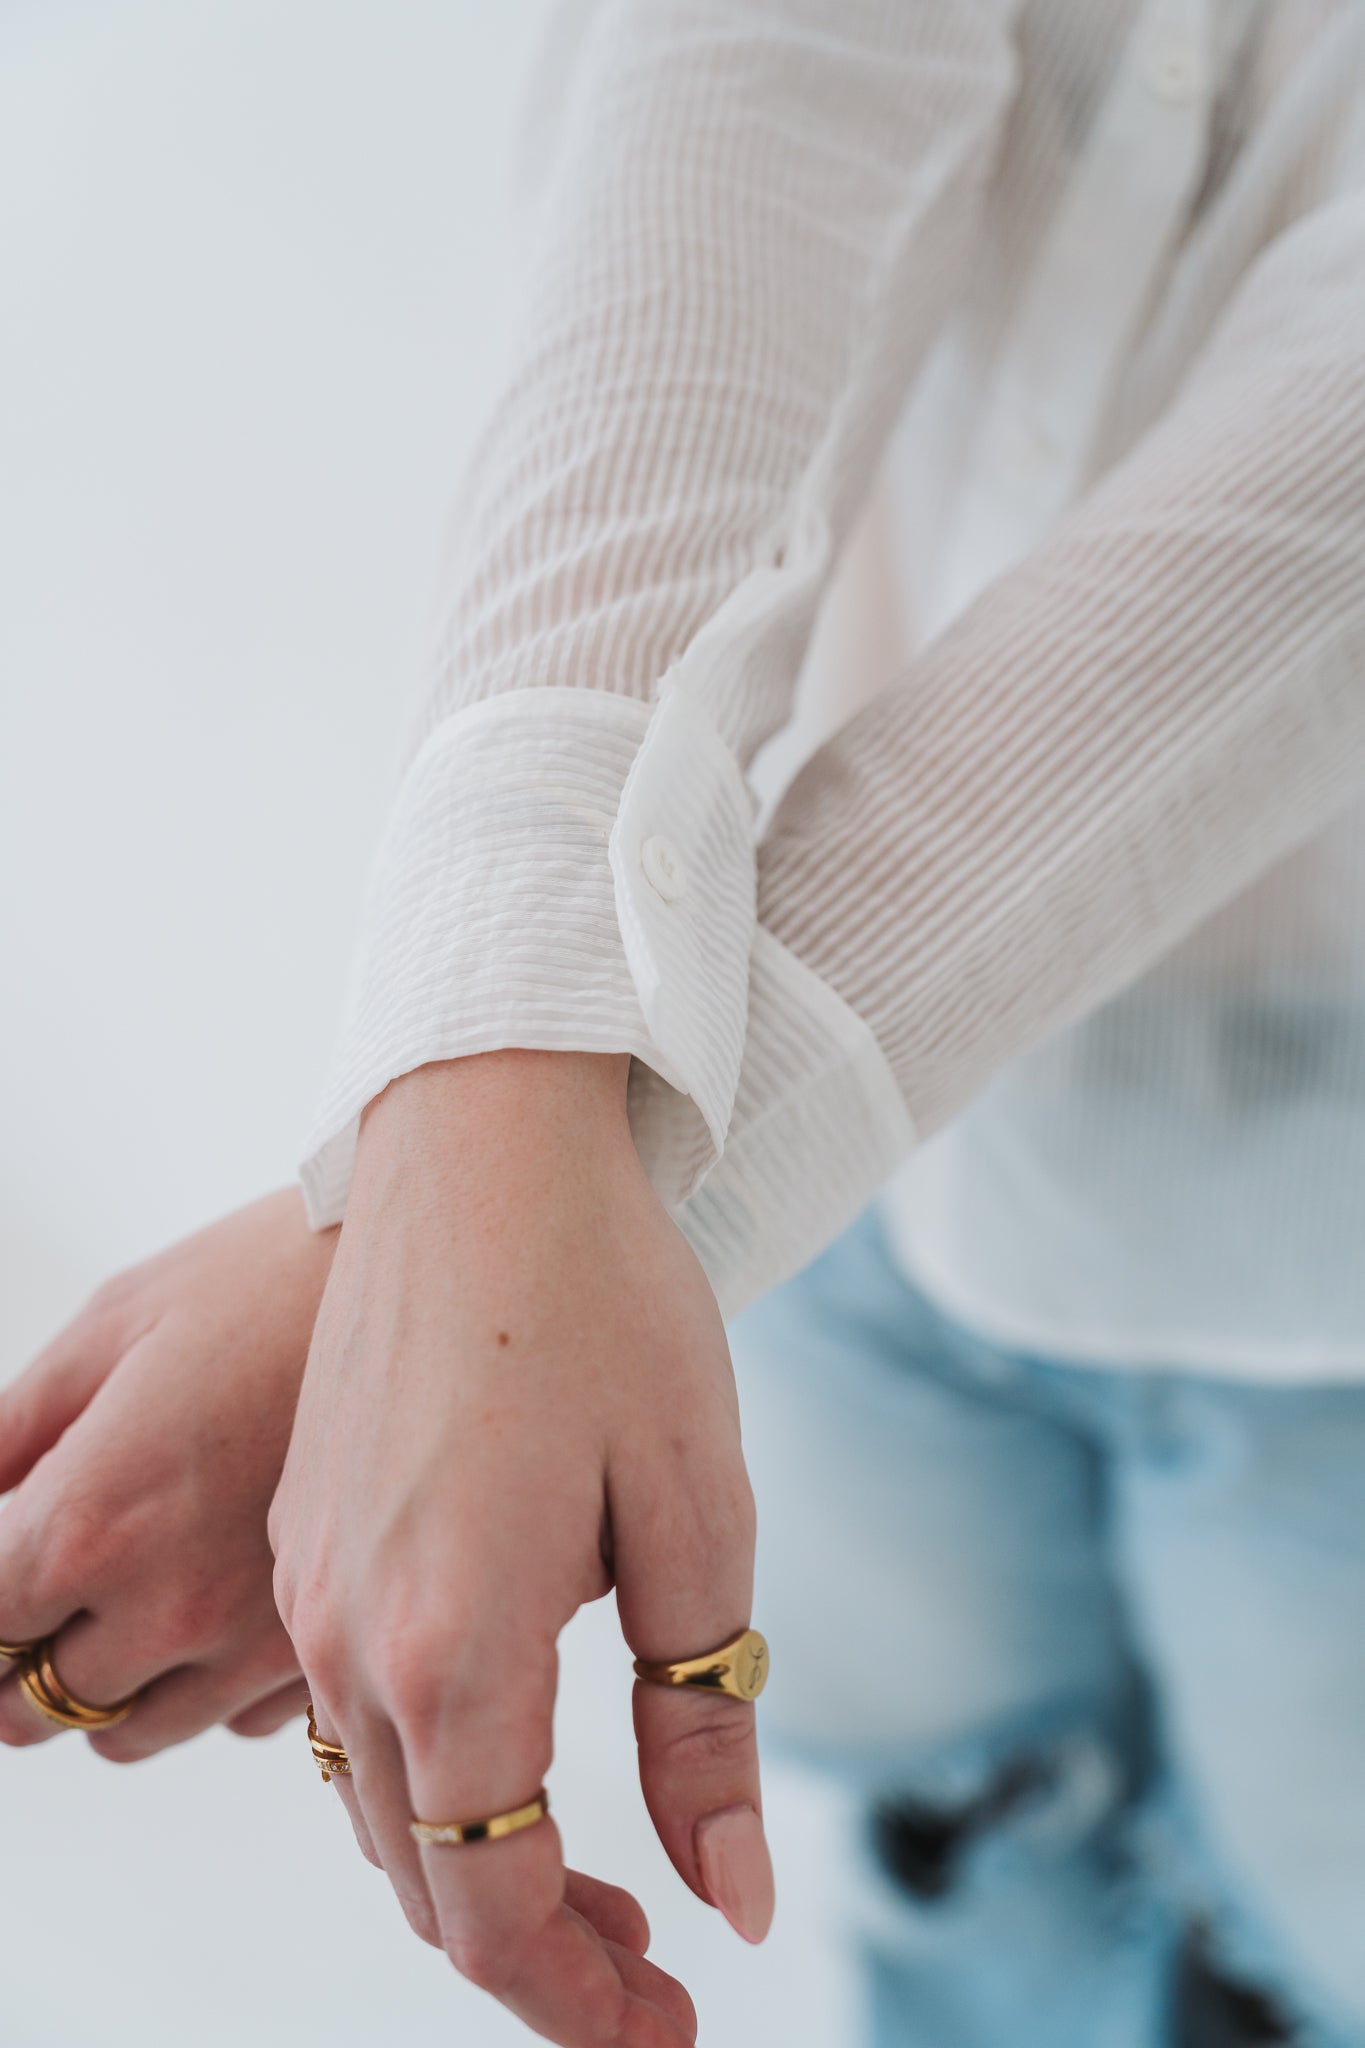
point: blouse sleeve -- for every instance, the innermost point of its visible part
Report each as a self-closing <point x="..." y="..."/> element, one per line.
<point x="757" y="212"/>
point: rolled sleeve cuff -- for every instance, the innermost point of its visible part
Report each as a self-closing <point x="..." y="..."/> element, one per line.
<point x="818" y="1127"/>
<point x="565" y="870"/>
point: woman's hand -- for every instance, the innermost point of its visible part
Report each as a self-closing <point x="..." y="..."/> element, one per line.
<point x="519" y="1393"/>
<point x="145" y="1444"/>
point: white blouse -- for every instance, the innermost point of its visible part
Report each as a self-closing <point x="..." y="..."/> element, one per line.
<point x="1099" y="267"/>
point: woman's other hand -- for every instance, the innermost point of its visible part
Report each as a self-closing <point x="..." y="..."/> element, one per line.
<point x="144" y="1445"/>
<point x="520" y="1394"/>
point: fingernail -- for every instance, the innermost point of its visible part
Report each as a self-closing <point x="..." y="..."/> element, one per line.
<point x="736" y="1869"/>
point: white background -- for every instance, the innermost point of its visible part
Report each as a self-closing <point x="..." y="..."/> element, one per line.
<point x="255" y="280"/>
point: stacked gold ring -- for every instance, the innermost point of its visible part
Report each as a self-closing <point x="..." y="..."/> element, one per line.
<point x="330" y="1758"/>
<point x="40" y="1685"/>
<point x="15" y="1651"/>
<point x="333" y="1762"/>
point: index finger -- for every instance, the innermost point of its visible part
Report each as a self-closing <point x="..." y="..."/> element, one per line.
<point x="684" y="1584"/>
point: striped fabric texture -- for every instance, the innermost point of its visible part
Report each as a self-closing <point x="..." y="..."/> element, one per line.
<point x="1104" y="262"/>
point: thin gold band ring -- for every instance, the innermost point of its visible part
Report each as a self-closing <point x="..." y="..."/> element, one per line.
<point x="454" y="1833"/>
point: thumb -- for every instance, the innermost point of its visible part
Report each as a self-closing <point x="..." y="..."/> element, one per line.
<point x="38" y="1407"/>
<point x="684" y="1570"/>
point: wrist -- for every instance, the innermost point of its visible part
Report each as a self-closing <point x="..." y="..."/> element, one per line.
<point x="498" y="1141"/>
<point x="496" y="1105"/>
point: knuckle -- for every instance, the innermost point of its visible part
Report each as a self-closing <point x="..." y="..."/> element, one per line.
<point x="416" y="1670"/>
<point x="733" y="1513"/>
<point x="316" y="1633"/>
<point x="431" y="1674"/>
<point x="275" y="1527"/>
<point x="77" y="1547"/>
<point x="284" y="1585"/>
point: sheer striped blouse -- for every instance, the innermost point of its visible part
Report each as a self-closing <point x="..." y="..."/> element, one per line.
<point x="1097" y="268"/>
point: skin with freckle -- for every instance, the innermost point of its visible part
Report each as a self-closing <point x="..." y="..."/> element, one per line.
<point x="426" y="1613"/>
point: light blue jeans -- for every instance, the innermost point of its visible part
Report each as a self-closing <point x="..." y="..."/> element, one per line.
<point x="1086" y="1652"/>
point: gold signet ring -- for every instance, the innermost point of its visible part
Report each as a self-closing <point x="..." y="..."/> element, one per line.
<point x="451" y="1833"/>
<point x="330" y="1758"/>
<point x="739" y="1667"/>
<point x="40" y="1685"/>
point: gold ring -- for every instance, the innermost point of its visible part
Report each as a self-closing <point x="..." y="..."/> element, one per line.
<point x="14" y="1651"/>
<point x="330" y="1758"/>
<point x="40" y="1685"/>
<point x="739" y="1667"/>
<point x="443" y="1833"/>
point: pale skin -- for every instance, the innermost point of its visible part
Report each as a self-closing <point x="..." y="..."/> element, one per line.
<point x="520" y="1370"/>
<point x="518" y="1394"/>
<point x="142" y="1448"/>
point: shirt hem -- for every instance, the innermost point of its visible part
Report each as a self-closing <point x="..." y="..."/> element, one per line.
<point x="1118" y="1349"/>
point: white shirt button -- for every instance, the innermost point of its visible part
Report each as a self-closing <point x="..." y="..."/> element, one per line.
<point x="1173" y="71"/>
<point x="665" y="869"/>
